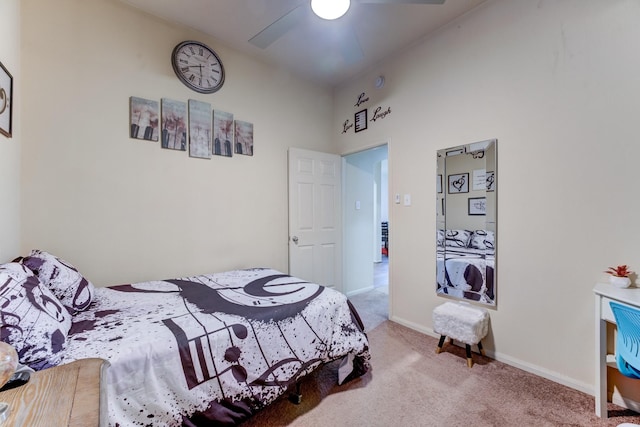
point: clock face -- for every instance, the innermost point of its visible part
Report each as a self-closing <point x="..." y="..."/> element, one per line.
<point x="198" y="66"/>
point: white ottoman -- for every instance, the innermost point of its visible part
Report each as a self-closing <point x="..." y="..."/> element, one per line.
<point x="463" y="322"/>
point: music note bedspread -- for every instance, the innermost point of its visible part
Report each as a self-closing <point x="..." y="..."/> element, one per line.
<point x="215" y="347"/>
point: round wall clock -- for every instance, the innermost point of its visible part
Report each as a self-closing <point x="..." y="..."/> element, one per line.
<point x="198" y="66"/>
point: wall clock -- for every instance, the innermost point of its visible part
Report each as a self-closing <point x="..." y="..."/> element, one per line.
<point x="198" y="66"/>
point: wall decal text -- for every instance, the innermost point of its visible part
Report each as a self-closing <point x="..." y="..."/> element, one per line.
<point x="379" y="114"/>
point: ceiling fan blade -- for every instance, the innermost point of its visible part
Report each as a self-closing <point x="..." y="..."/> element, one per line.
<point x="350" y="46"/>
<point x="276" y="30"/>
<point x="403" y="1"/>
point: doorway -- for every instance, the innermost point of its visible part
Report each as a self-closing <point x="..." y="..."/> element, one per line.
<point x="366" y="249"/>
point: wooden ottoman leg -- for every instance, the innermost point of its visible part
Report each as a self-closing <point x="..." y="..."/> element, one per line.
<point x="480" y="348"/>
<point x="469" y="359"/>
<point x="440" y="344"/>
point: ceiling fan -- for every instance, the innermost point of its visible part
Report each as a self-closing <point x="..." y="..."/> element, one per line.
<point x="350" y="47"/>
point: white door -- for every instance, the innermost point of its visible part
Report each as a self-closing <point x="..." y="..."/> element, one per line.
<point x="315" y="213"/>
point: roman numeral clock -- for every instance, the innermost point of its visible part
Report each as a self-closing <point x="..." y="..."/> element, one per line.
<point x="198" y="66"/>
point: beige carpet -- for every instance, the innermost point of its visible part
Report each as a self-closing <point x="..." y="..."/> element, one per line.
<point x="411" y="385"/>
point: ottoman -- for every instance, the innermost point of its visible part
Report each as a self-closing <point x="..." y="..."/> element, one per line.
<point x="462" y="322"/>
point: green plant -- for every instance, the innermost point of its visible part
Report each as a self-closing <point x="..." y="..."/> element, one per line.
<point x="619" y="271"/>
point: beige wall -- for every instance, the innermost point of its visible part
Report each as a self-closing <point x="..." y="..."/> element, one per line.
<point x="556" y="82"/>
<point x="124" y="210"/>
<point x="10" y="148"/>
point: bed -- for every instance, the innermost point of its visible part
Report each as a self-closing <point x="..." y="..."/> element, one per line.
<point x="465" y="264"/>
<point x="202" y="350"/>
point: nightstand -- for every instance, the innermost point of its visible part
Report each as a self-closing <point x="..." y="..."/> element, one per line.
<point x="72" y="395"/>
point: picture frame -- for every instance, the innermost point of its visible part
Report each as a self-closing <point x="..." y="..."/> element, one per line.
<point x="491" y="180"/>
<point x="243" y="138"/>
<point x="360" y="119"/>
<point x="6" y="101"/>
<point x="479" y="178"/>
<point x="458" y="183"/>
<point x="439" y="184"/>
<point x="174" y="124"/>
<point x="143" y="119"/>
<point x="477" y="205"/>
<point x="199" y="129"/>
<point x="222" y="133"/>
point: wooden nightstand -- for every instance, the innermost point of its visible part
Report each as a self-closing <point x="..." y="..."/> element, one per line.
<point x="71" y="395"/>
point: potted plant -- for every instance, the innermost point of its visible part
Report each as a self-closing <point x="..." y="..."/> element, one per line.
<point x="619" y="276"/>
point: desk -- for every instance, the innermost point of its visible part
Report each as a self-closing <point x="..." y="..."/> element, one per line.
<point x="67" y="395"/>
<point x="604" y="293"/>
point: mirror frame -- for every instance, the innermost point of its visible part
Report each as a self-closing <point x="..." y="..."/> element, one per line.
<point x="466" y="222"/>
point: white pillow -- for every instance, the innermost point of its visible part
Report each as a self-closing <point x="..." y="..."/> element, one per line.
<point x="440" y="238"/>
<point x="67" y="284"/>
<point x="482" y="239"/>
<point x="457" y="238"/>
<point x="32" y="319"/>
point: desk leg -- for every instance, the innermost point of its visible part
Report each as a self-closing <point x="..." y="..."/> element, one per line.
<point x="601" y="362"/>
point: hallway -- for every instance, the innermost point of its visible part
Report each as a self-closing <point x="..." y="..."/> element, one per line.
<point x="373" y="305"/>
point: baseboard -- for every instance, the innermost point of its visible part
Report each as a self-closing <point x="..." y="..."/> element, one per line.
<point x="413" y="326"/>
<point x="359" y="291"/>
<point x="528" y="367"/>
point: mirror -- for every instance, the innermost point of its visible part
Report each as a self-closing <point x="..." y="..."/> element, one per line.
<point x="466" y="222"/>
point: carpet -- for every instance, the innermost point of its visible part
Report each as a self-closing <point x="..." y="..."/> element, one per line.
<point x="410" y="385"/>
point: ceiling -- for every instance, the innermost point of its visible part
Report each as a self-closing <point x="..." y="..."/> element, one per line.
<point x="313" y="48"/>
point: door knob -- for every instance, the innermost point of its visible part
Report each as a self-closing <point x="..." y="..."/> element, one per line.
<point x="295" y="239"/>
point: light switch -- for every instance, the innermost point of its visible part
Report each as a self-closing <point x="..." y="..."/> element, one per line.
<point x="407" y="199"/>
<point x="397" y="199"/>
<point x="357" y="204"/>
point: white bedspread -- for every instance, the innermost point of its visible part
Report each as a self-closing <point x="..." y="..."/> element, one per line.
<point x="177" y="347"/>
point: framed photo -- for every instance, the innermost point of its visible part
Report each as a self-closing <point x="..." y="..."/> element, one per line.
<point x="143" y="122"/>
<point x="459" y="183"/>
<point x="361" y="120"/>
<point x="174" y="124"/>
<point x="477" y="205"/>
<point x="244" y="138"/>
<point x="491" y="181"/>
<point x="199" y="129"/>
<point x="6" y="101"/>
<point x="222" y="133"/>
<point x="479" y="179"/>
<point x="439" y="183"/>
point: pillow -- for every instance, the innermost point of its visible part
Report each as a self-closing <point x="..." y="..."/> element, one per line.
<point x="32" y="320"/>
<point x="67" y="284"/>
<point x="457" y="238"/>
<point x="482" y="239"/>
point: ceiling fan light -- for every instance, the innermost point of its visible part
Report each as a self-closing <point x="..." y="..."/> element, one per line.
<point x="330" y="9"/>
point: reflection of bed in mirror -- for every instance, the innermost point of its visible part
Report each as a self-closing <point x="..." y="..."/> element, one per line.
<point x="465" y="265"/>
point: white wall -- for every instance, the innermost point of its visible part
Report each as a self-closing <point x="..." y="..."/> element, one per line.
<point x="124" y="210"/>
<point x="10" y="148"/>
<point x="556" y="82"/>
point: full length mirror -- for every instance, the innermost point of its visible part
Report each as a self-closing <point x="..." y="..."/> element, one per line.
<point x="466" y="222"/>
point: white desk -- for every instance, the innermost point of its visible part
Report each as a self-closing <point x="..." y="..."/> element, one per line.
<point x="605" y="293"/>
